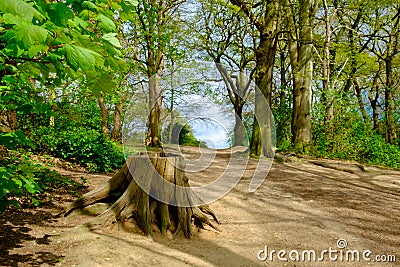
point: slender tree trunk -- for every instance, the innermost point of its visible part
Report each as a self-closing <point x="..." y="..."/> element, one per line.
<point x="236" y="92"/>
<point x="374" y="106"/>
<point x="116" y="133"/>
<point x="156" y="67"/>
<point x="360" y="101"/>
<point x="11" y="115"/>
<point x="326" y="63"/>
<point x="389" y="103"/>
<point x="373" y="99"/>
<point x="52" y="99"/>
<point x="172" y="118"/>
<point x="172" y="107"/>
<point x="104" y="112"/>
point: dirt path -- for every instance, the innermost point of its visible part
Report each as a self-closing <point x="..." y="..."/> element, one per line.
<point x="303" y="206"/>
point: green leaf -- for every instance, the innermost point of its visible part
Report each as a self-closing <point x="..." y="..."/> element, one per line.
<point x="112" y="39"/>
<point x="11" y="19"/>
<point x="17" y="182"/>
<point x="117" y="63"/>
<point x="20" y="8"/>
<point x="89" y="4"/>
<point x="25" y="108"/>
<point x="36" y="49"/>
<point x="30" y="34"/>
<point x="105" y="23"/>
<point x="101" y="84"/>
<point x="78" y="22"/>
<point x="132" y="2"/>
<point x="80" y="57"/>
<point x="60" y="13"/>
<point x="30" y="187"/>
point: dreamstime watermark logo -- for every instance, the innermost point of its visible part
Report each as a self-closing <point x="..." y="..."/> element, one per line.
<point x="204" y="76"/>
<point x="340" y="253"/>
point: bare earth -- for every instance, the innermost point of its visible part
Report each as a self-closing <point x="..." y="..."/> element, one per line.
<point x="303" y="205"/>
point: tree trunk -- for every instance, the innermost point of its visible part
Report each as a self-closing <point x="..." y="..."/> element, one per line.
<point x="389" y="103"/>
<point x="237" y="93"/>
<point x="52" y="99"/>
<point x="360" y="101"/>
<point x="374" y="106"/>
<point x="261" y="141"/>
<point x="138" y="197"/>
<point x="153" y="134"/>
<point x="267" y="25"/>
<point x="8" y="121"/>
<point x="239" y="96"/>
<point x="326" y="63"/>
<point x="103" y="116"/>
<point x="116" y="133"/>
<point x="238" y="130"/>
<point x="373" y="97"/>
<point x="302" y="65"/>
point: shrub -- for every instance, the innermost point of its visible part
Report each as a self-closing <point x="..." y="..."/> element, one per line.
<point x="354" y="140"/>
<point x="83" y="146"/>
<point x="22" y="181"/>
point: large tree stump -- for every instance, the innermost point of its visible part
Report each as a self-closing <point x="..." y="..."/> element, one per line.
<point x="139" y="197"/>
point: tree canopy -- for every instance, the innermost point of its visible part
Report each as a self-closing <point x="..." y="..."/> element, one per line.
<point x="69" y="70"/>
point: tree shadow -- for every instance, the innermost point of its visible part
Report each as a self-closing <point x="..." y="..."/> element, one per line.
<point x="14" y="234"/>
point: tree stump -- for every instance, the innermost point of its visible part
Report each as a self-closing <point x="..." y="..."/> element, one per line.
<point x="139" y="197"/>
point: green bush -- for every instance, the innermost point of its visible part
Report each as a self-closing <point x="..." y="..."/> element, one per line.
<point x="23" y="181"/>
<point x="80" y="145"/>
<point x="352" y="139"/>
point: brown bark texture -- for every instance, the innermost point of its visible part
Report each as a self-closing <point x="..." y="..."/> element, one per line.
<point x="138" y="191"/>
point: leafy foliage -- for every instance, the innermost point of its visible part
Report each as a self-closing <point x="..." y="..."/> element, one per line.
<point x="350" y="139"/>
<point x="23" y="181"/>
<point x="81" y="145"/>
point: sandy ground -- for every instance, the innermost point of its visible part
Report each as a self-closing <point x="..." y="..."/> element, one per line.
<point x="333" y="208"/>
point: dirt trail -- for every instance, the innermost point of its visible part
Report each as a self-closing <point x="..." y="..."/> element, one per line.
<point x="303" y="205"/>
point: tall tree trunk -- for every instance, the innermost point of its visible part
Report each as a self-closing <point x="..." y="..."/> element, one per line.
<point x="389" y="103"/>
<point x="155" y="105"/>
<point x="373" y="99"/>
<point x="302" y="65"/>
<point x="104" y="112"/>
<point x="261" y="140"/>
<point x="242" y="87"/>
<point x="326" y="63"/>
<point x="360" y="101"/>
<point x="116" y="133"/>
<point x="172" y="118"/>
<point x="267" y="25"/>
<point x="374" y="106"/>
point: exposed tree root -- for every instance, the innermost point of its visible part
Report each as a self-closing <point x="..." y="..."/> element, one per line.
<point x="147" y="212"/>
<point x="350" y="168"/>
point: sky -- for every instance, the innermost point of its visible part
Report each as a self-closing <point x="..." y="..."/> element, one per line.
<point x="211" y="123"/>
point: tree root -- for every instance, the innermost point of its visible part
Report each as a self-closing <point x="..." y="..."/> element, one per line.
<point x="135" y="203"/>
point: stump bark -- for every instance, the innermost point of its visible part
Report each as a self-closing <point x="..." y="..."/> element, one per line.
<point x="140" y="202"/>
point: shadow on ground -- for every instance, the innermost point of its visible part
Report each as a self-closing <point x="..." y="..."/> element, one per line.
<point x="14" y="234"/>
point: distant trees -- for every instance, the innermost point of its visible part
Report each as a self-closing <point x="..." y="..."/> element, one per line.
<point x="317" y="65"/>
